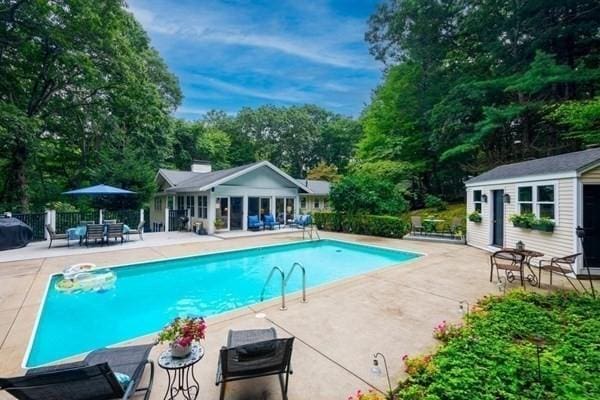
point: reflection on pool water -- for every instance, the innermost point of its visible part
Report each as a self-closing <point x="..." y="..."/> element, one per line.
<point x="146" y="296"/>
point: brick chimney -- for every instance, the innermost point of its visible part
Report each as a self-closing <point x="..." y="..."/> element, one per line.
<point x="201" y="166"/>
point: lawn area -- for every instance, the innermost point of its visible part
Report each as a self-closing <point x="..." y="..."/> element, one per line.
<point x="457" y="210"/>
<point x="494" y="355"/>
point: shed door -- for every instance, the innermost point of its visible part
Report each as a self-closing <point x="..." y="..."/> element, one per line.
<point x="591" y="223"/>
<point x="498" y="218"/>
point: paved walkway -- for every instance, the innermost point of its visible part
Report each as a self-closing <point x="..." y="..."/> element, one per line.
<point x="391" y="310"/>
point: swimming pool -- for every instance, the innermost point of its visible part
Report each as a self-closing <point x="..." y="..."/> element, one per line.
<point x="146" y="296"/>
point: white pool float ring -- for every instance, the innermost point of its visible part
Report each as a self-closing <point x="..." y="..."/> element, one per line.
<point x="87" y="281"/>
<point x="71" y="271"/>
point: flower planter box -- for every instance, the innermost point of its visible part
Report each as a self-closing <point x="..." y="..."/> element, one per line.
<point x="521" y="225"/>
<point x="543" y="228"/>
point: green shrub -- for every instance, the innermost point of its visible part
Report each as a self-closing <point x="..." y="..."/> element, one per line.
<point x="494" y="355"/>
<point x="435" y="202"/>
<point x="374" y="225"/>
<point x="358" y="194"/>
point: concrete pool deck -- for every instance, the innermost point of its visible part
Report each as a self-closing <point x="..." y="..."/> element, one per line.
<point x="391" y="310"/>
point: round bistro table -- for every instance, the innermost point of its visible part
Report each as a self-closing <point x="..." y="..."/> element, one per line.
<point x="180" y="372"/>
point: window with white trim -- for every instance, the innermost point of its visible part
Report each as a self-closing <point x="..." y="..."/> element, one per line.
<point x="180" y="202"/>
<point x="316" y="203"/>
<point x="302" y="202"/>
<point x="525" y="199"/>
<point x="477" y="200"/>
<point x="157" y="203"/>
<point x="545" y="201"/>
<point x="202" y="207"/>
<point x="189" y="201"/>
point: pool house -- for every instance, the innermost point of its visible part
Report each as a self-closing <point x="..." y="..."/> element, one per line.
<point x="558" y="193"/>
<point x="222" y="200"/>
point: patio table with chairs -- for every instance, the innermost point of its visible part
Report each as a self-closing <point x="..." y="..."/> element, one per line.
<point x="99" y="231"/>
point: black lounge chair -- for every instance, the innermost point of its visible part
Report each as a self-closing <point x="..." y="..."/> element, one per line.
<point x="56" y="236"/>
<point x="252" y="354"/>
<point x="91" y="379"/>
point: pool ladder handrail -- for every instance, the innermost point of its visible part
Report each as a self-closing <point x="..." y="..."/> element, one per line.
<point x="282" y="274"/>
<point x="310" y="232"/>
<point x="294" y="265"/>
<point x="284" y="281"/>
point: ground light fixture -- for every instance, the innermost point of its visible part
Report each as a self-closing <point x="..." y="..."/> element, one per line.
<point x="464" y="307"/>
<point x="376" y="370"/>
<point x="539" y="343"/>
<point x="501" y="285"/>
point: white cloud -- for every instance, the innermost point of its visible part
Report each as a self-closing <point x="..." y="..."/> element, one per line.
<point x="324" y="44"/>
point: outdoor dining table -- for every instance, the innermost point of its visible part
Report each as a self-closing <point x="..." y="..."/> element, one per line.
<point x="78" y="232"/>
<point x="528" y="255"/>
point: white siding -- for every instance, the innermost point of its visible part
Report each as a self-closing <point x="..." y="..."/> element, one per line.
<point x="478" y="234"/>
<point x="592" y="176"/>
<point x="558" y="243"/>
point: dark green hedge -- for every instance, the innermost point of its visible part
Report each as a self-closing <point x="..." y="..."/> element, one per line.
<point x="375" y="225"/>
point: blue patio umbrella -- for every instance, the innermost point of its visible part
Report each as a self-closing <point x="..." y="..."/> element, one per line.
<point x="99" y="190"/>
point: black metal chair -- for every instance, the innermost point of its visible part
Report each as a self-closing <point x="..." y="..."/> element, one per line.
<point x="562" y="266"/>
<point x="510" y="262"/>
<point x="254" y="353"/>
<point x="115" y="231"/>
<point x="91" y="379"/>
<point x="94" y="232"/>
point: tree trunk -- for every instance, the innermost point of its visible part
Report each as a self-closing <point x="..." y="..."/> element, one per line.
<point x="19" y="171"/>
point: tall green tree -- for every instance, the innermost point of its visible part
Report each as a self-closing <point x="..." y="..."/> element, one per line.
<point x="472" y="84"/>
<point x="80" y="85"/>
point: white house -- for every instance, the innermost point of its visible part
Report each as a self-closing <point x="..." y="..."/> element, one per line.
<point x="564" y="188"/>
<point x="223" y="200"/>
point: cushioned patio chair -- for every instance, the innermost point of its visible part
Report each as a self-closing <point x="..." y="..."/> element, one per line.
<point x="94" y="232"/>
<point x="563" y="266"/>
<point x="269" y="221"/>
<point x="115" y="231"/>
<point x="302" y="221"/>
<point x="416" y="225"/>
<point x="254" y="223"/>
<point x="102" y="375"/>
<point x="56" y="236"/>
<point x="139" y="230"/>
<point x="510" y="262"/>
<point x="252" y="354"/>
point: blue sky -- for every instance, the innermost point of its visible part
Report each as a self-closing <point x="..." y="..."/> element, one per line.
<point x="229" y="54"/>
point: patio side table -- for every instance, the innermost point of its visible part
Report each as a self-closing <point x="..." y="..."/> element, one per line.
<point x="180" y="372"/>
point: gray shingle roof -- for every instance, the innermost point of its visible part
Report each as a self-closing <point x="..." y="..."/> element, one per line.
<point x="568" y="162"/>
<point x="317" y="187"/>
<point x="187" y="180"/>
<point x="190" y="181"/>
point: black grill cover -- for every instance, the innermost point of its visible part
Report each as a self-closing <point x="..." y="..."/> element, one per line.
<point x="14" y="233"/>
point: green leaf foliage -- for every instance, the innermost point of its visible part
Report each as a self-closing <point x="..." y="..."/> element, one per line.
<point x="362" y="224"/>
<point x="494" y="355"/>
<point x="360" y="194"/>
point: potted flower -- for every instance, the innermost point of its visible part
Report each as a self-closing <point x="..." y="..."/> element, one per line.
<point x="543" y="224"/>
<point x="522" y="220"/>
<point x="475" y="216"/>
<point x="181" y="333"/>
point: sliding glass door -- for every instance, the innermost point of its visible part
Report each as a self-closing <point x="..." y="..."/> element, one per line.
<point x="222" y="213"/>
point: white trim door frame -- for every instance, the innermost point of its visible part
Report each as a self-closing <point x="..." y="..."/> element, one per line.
<point x="218" y="198"/>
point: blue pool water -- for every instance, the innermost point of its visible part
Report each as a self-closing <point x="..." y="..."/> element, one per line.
<point x="147" y="296"/>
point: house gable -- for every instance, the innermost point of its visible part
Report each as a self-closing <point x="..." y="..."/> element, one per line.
<point x="261" y="177"/>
